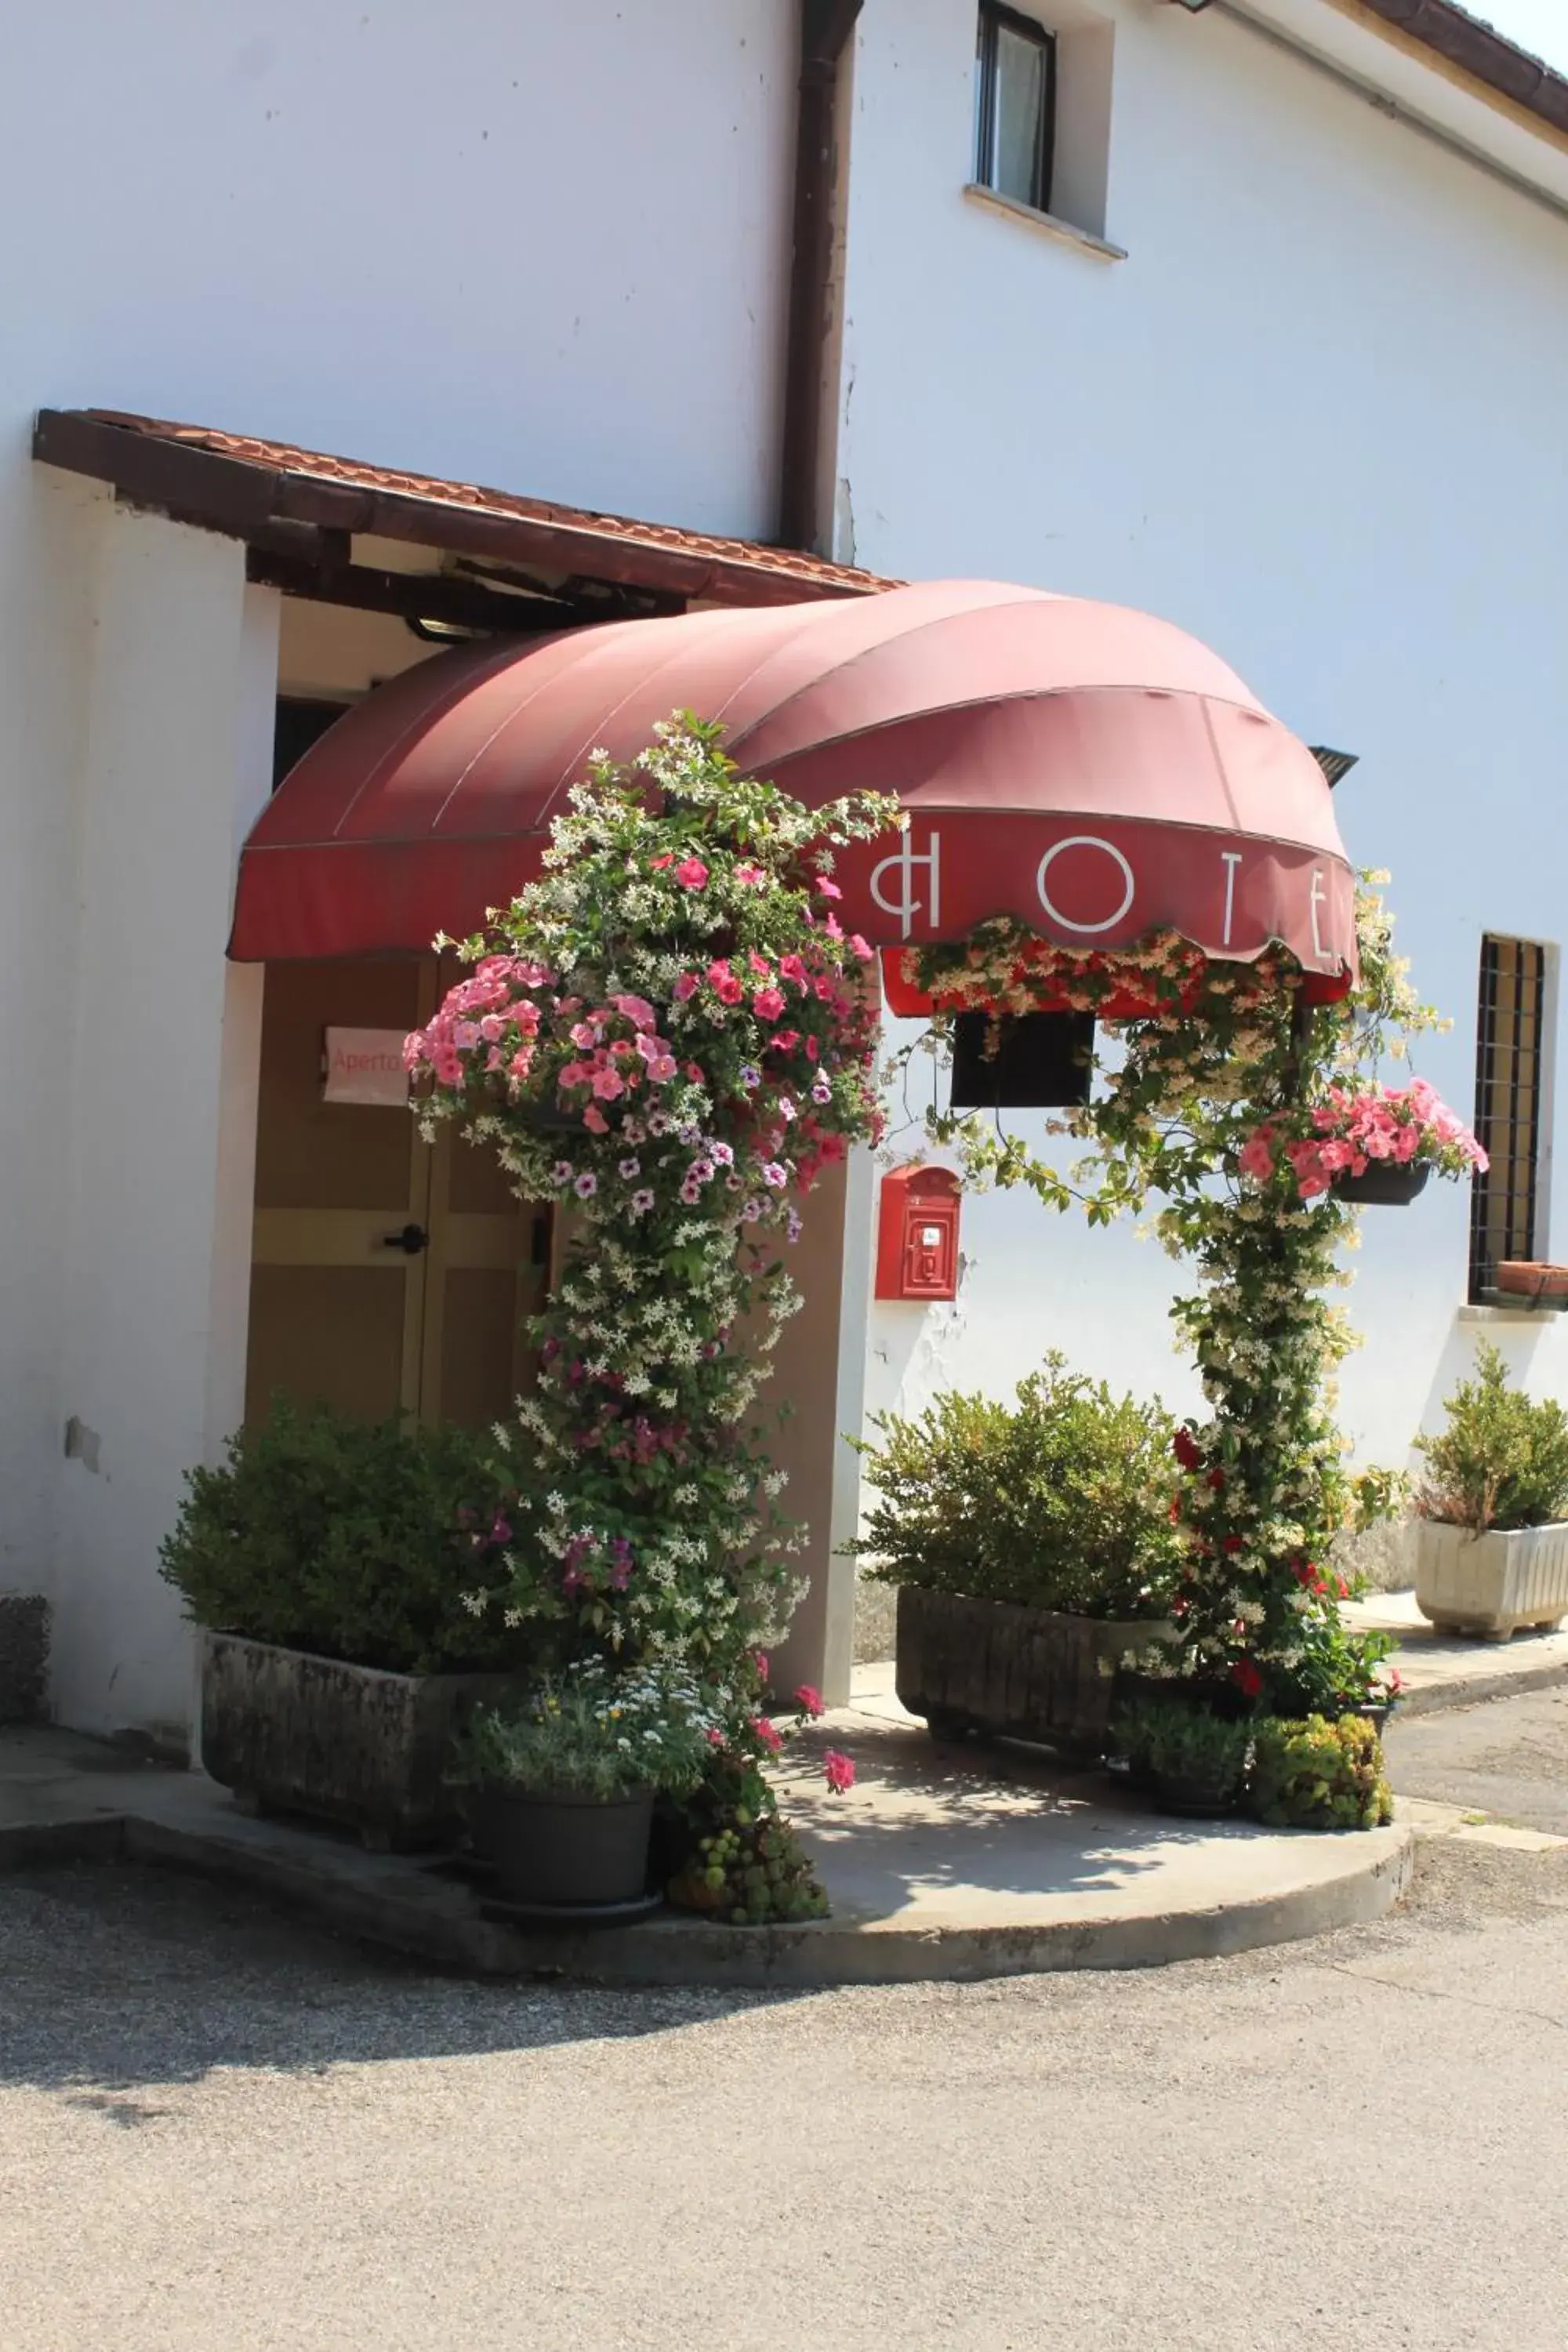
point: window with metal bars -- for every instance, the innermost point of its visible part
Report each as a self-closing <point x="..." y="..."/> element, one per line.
<point x="1510" y="1038"/>
<point x="1015" y="106"/>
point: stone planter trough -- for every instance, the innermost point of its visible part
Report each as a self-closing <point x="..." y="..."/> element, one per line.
<point x="1490" y="1585"/>
<point x="1024" y="1674"/>
<point x="289" y="1732"/>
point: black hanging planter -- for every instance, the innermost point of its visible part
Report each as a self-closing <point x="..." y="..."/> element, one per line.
<point x="1384" y="1184"/>
<point x="1042" y="1061"/>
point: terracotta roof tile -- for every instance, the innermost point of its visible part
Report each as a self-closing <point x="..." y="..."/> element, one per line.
<point x="811" y="575"/>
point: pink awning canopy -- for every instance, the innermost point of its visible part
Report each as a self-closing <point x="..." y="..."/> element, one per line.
<point x="1090" y="770"/>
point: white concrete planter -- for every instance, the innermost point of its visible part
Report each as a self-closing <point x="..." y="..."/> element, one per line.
<point x="1491" y="1584"/>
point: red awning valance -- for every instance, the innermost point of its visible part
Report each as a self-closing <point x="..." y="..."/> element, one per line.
<point x="1093" y="771"/>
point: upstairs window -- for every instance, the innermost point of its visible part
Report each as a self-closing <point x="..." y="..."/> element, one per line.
<point x="1015" y="106"/>
<point x="1510" y="1064"/>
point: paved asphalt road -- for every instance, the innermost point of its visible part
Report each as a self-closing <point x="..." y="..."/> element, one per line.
<point x="220" y="2134"/>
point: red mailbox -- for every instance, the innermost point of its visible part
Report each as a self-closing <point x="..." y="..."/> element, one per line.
<point x="917" y="1235"/>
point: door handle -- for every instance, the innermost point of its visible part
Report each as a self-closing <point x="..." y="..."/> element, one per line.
<point x="410" y="1240"/>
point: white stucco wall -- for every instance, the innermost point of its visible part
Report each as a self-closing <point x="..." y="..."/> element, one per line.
<point x="160" y="1040"/>
<point x="533" y="246"/>
<point x="541" y="247"/>
<point x="1316" y="417"/>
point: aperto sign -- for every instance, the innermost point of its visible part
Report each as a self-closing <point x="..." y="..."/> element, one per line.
<point x="364" y="1065"/>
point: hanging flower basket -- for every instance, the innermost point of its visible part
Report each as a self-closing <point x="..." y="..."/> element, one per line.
<point x="1383" y="1184"/>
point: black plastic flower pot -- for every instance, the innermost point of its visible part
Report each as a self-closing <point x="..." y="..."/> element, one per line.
<point x="1195" y="1796"/>
<point x="1383" y="1184"/>
<point x="567" y="1851"/>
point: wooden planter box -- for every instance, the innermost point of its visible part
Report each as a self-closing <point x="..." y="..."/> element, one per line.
<point x="1027" y="1673"/>
<point x="1492" y="1584"/>
<point x="289" y="1732"/>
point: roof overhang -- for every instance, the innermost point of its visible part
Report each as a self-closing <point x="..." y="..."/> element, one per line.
<point x="1438" y="69"/>
<point x="508" y="562"/>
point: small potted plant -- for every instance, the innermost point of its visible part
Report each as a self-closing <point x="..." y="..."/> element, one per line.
<point x="1336" y="1672"/>
<point x="1491" y="1543"/>
<point x="1318" y="1775"/>
<point x="1197" y="1760"/>
<point x="564" y="1778"/>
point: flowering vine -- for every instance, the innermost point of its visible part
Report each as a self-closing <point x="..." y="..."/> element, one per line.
<point x="1237" y="1103"/>
<point x="669" y="1035"/>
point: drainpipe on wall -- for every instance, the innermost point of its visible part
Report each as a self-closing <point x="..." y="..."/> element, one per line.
<point x="825" y="26"/>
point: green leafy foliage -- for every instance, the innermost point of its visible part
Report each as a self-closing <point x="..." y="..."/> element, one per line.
<point x="1216" y="1088"/>
<point x="750" y="1872"/>
<point x="355" y="1540"/>
<point x="1060" y="1501"/>
<point x="669" y="1031"/>
<point x="1190" y="1743"/>
<point x="1332" y="1668"/>
<point x="1318" y="1775"/>
<point x="594" y="1732"/>
<point x="1502" y="1460"/>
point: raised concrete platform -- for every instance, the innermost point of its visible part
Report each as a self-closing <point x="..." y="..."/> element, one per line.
<point x="942" y="1863"/>
<point x="1447" y="1669"/>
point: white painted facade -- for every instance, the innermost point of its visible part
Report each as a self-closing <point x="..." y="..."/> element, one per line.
<point x="1316" y="417"/>
<point x="534" y="247"/>
<point x="1313" y="417"/>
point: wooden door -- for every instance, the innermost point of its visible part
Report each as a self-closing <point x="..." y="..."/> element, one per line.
<point x="484" y="1276"/>
<point x="342" y="1309"/>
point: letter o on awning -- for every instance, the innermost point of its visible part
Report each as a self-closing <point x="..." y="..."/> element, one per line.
<point x="1092" y="771"/>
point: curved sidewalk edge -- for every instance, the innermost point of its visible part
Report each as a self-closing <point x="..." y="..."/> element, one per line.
<point x="937" y="1866"/>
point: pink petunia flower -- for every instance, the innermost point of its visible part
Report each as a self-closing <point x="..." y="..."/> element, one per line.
<point x="808" y="1698"/>
<point x="638" y="1010"/>
<point x="767" y="1003"/>
<point x="838" y="1771"/>
<point x="691" y="874"/>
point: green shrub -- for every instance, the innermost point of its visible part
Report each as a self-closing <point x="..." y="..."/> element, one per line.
<point x="594" y="1732"/>
<point x="1061" y="1501"/>
<point x="355" y="1540"/>
<point x="1503" y="1460"/>
<point x="1318" y="1775"/>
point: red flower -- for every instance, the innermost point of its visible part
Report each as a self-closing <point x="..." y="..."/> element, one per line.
<point x="1243" y="1674"/>
<point x="767" y="1734"/>
<point x="1233" y="1543"/>
<point x="1185" y="1448"/>
<point x="1175" y="1509"/>
<point x="1216" y="1479"/>
<point x="667" y="859"/>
